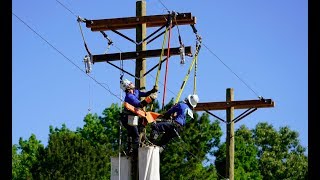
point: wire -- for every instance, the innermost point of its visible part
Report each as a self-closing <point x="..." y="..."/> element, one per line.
<point x="163" y="5"/>
<point x="231" y="70"/>
<point x="223" y="62"/>
<point x="66" y="8"/>
<point x="118" y="47"/>
<point x="64" y="55"/>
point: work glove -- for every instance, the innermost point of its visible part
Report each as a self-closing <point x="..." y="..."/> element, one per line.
<point x="149" y="99"/>
<point x="155" y="89"/>
<point x="154" y="96"/>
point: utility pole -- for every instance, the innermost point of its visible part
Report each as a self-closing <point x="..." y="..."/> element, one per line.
<point x="230" y="137"/>
<point x="140" y="71"/>
<point x="230" y="105"/>
<point x="141" y="63"/>
<point x="141" y="31"/>
<point x="140" y="22"/>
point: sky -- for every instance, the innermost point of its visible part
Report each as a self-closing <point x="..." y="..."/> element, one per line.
<point x="258" y="48"/>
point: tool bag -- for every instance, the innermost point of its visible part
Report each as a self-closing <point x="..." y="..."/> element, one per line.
<point x="133" y="120"/>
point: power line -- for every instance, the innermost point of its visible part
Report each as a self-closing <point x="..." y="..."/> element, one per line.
<point x="246" y="84"/>
<point x="163" y="5"/>
<point x="67" y="8"/>
<point x="178" y="30"/>
<point x="64" y="55"/>
<point x="231" y="70"/>
<point x="223" y="62"/>
<point x="83" y="70"/>
<point x="112" y="43"/>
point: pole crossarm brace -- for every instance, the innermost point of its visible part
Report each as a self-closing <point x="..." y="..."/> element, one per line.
<point x="246" y="104"/>
<point x="132" y="22"/>
<point x="138" y="55"/>
<point x="244" y="114"/>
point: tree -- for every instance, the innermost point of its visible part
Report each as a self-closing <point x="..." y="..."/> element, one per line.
<point x="83" y="154"/>
<point x="25" y="156"/>
<point x="247" y="164"/>
<point x="71" y="156"/>
<point x="260" y="153"/>
<point x="264" y="153"/>
<point x="280" y="153"/>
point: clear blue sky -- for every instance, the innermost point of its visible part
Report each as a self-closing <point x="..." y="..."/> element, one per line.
<point x="260" y="44"/>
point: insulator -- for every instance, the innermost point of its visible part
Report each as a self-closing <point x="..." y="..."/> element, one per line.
<point x="88" y="64"/>
<point x="182" y="54"/>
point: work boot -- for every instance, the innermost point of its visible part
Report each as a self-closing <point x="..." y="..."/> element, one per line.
<point x="154" y="136"/>
<point x="161" y="148"/>
<point x="129" y="151"/>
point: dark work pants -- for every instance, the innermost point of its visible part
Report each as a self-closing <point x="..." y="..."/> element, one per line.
<point x="132" y="131"/>
<point x="168" y="128"/>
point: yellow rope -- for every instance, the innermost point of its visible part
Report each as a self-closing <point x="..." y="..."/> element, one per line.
<point x="185" y="80"/>
<point x="162" y="52"/>
<point x="160" y="59"/>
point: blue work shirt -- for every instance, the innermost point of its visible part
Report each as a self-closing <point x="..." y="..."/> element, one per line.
<point x="134" y="99"/>
<point x="182" y="110"/>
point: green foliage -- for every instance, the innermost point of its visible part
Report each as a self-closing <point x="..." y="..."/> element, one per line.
<point x="70" y="156"/>
<point x="25" y="156"/>
<point x="280" y="153"/>
<point x="246" y="152"/>
<point x="184" y="158"/>
<point x="264" y="153"/>
<point x="260" y="153"/>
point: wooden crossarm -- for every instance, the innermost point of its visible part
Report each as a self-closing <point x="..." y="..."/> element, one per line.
<point x="246" y="104"/>
<point x="132" y="22"/>
<point x="137" y="55"/>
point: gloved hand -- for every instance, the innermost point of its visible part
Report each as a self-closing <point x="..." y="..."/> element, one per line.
<point x="154" y="95"/>
<point x="155" y="89"/>
<point x="148" y="100"/>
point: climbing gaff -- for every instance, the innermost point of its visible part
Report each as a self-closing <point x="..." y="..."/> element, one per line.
<point x="87" y="63"/>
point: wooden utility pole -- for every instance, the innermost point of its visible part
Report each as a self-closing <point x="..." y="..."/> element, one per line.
<point x="141" y="31"/>
<point x="141" y="63"/>
<point x="230" y="137"/>
<point x="230" y="105"/>
<point x="140" y="22"/>
<point x="140" y="70"/>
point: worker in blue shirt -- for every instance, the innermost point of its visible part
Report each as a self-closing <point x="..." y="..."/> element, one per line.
<point x="173" y="121"/>
<point x="130" y="120"/>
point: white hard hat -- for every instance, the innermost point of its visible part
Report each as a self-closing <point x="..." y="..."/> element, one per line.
<point x="193" y="100"/>
<point x="126" y="84"/>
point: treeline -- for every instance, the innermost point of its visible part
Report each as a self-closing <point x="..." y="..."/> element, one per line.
<point x="260" y="153"/>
